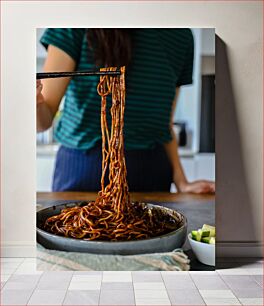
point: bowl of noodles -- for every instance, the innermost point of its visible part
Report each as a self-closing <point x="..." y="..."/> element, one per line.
<point x="111" y="224"/>
<point x="164" y="230"/>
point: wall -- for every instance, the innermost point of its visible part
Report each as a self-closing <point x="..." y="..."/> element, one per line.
<point x="238" y="24"/>
<point x="189" y="101"/>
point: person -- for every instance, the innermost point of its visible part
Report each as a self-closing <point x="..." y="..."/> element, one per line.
<point x="158" y="62"/>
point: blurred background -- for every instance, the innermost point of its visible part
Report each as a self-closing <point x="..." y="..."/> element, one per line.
<point x="194" y="118"/>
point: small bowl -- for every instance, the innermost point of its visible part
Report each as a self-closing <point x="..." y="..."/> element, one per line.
<point x="204" y="252"/>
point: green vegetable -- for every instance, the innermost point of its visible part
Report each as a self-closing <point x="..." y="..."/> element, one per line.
<point x="212" y="240"/>
<point x="209" y="228"/>
<point x="205" y="233"/>
<point x="206" y="239"/>
<point x="196" y="235"/>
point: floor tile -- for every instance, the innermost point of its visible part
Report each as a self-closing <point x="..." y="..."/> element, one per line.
<point x="161" y="302"/>
<point x="234" y="271"/>
<point x="117" y="273"/>
<point x="24" y="278"/>
<point x="20" y="285"/>
<point x="117" y="286"/>
<point x="151" y="294"/>
<point x="47" y="297"/>
<point x="149" y="286"/>
<point x="53" y="285"/>
<point x="11" y="259"/>
<point x="117" y="277"/>
<point x="185" y="297"/>
<point x="15" y="297"/>
<point x="220" y="302"/>
<point x="177" y="277"/>
<point x="118" y="297"/>
<point x="30" y="260"/>
<point x="248" y="293"/>
<point x="153" y="273"/>
<point x="83" y="297"/>
<point x="258" y="279"/>
<point x="5" y="277"/>
<point x="254" y="271"/>
<point x="58" y="275"/>
<point x="27" y="268"/>
<point x="245" y="280"/>
<point x="203" y="272"/>
<point x="88" y="273"/>
<point x="54" y="280"/>
<point x="86" y="278"/>
<point x="8" y="270"/>
<point x="240" y="282"/>
<point x="251" y="301"/>
<point x="179" y="273"/>
<point x="209" y="282"/>
<point x="84" y="286"/>
<point x="178" y="282"/>
<point x="146" y="276"/>
<point x="29" y="265"/>
<point x="218" y="294"/>
<point x="11" y="265"/>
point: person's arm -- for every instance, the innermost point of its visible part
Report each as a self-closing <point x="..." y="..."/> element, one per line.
<point x="50" y="91"/>
<point x="179" y="178"/>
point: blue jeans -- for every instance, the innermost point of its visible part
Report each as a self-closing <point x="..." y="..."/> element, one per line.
<point x="77" y="170"/>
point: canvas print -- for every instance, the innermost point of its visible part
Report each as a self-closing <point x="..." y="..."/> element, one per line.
<point x="125" y="149"/>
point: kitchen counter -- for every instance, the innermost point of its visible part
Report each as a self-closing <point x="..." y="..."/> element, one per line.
<point x="198" y="209"/>
<point x="50" y="150"/>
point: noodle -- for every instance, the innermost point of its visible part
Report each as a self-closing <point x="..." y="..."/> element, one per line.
<point x="111" y="216"/>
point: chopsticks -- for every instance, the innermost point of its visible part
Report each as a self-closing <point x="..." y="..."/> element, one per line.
<point x="51" y="75"/>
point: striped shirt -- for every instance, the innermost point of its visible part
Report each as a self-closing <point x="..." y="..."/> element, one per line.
<point x="162" y="59"/>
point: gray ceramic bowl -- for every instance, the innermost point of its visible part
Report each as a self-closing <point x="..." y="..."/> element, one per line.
<point x="164" y="243"/>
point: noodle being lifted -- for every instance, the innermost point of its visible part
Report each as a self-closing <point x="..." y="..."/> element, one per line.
<point x="111" y="216"/>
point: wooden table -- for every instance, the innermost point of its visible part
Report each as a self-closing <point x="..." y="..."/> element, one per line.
<point x="135" y="196"/>
<point x="198" y="209"/>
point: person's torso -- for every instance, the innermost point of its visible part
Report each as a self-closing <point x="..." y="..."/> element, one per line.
<point x="157" y="60"/>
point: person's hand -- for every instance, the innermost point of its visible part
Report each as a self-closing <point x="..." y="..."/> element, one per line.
<point x="201" y="186"/>
<point x="40" y="98"/>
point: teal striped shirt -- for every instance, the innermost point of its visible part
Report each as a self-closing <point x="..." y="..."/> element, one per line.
<point x="162" y="59"/>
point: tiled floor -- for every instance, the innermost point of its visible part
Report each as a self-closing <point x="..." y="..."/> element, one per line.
<point x="238" y="282"/>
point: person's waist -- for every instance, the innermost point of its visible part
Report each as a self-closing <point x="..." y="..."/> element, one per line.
<point x="97" y="147"/>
